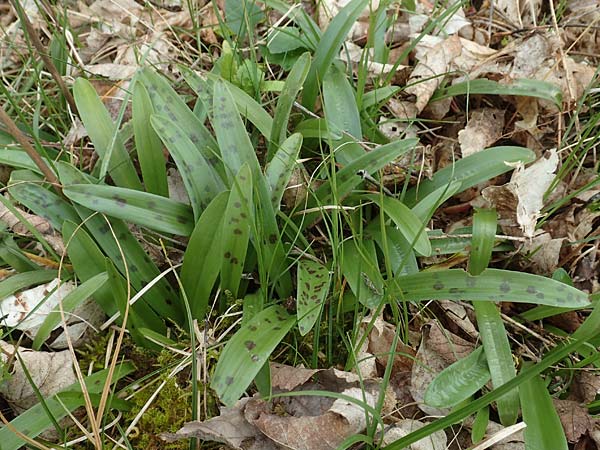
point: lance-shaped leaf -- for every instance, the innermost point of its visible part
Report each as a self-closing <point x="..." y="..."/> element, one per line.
<point x="236" y="230"/>
<point x="199" y="271"/>
<point x="147" y="144"/>
<point x="23" y="280"/>
<point x="149" y="210"/>
<point x="409" y="225"/>
<point x="491" y="285"/>
<point x="280" y="169"/>
<point x="247" y="351"/>
<point x="201" y="180"/>
<point x="359" y="266"/>
<point x="313" y="285"/>
<point x="104" y="135"/>
<point x="339" y="102"/>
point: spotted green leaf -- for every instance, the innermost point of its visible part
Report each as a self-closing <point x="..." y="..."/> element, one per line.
<point x="293" y="85"/>
<point x="104" y="135"/>
<point x="149" y="210"/>
<point x="491" y="285"/>
<point x="236" y="230"/>
<point x="247" y="351"/>
<point x="544" y="428"/>
<point x="199" y="271"/>
<point x="71" y="301"/>
<point x="313" y="285"/>
<point x="201" y="180"/>
<point x="280" y="169"/>
<point x="472" y="170"/>
<point x="359" y="267"/>
<point x="148" y="147"/>
<point x="458" y="381"/>
<point x="409" y="225"/>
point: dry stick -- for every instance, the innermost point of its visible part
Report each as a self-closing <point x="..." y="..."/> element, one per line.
<point x="35" y="40"/>
<point x="14" y="131"/>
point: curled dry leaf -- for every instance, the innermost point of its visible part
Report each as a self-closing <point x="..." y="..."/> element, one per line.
<point x="50" y="372"/>
<point x="438" y="350"/>
<point x="297" y="422"/>
<point x="328" y="9"/>
<point x="484" y="128"/>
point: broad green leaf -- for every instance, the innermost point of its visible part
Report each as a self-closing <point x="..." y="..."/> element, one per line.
<point x="484" y="235"/>
<point x="280" y="169"/>
<point x="166" y="102"/>
<point x="472" y="170"/>
<point x="149" y="210"/>
<point x="339" y="102"/>
<point x="480" y="424"/>
<point x="71" y="301"/>
<point x="236" y="230"/>
<point x="104" y="135"/>
<point x="409" y="225"/>
<point x="359" y="267"/>
<point x="247" y="351"/>
<point x="36" y="419"/>
<point x="113" y="236"/>
<point x="317" y="129"/>
<point x="285" y="39"/>
<point x="329" y="47"/>
<point x="201" y="180"/>
<point x="293" y="85"/>
<point x="20" y="160"/>
<point x="425" y="209"/>
<point x="391" y="241"/>
<point x="521" y="87"/>
<point x="379" y="95"/>
<point x="313" y="286"/>
<point x="234" y="142"/>
<point x="27" y="188"/>
<point x="147" y="144"/>
<point x="199" y="270"/>
<point x="20" y="281"/>
<point x="458" y="381"/>
<point x="300" y="17"/>
<point x="544" y="428"/>
<point x="492" y="285"/>
<point x="241" y="15"/>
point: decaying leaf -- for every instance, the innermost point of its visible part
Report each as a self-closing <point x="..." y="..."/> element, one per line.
<point x="575" y="418"/>
<point x="544" y="252"/>
<point x="435" y="441"/>
<point x="484" y="128"/>
<point x="50" y="372"/>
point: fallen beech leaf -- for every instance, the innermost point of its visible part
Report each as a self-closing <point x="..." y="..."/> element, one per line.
<point x="544" y="252"/>
<point x="50" y="372"/>
<point x="484" y="129"/>
<point x="435" y="441"/>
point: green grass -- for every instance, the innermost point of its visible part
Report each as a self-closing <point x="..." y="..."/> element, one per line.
<point x="240" y="277"/>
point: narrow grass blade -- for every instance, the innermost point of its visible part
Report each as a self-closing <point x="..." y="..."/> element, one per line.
<point x="339" y="102"/>
<point x="280" y="169"/>
<point x="544" y="429"/>
<point x="491" y="285"/>
<point x="113" y="235"/>
<point x="472" y="170"/>
<point x="104" y="135"/>
<point x="149" y="210"/>
<point x="359" y="267"/>
<point x="20" y="281"/>
<point x="458" y="381"/>
<point x="147" y="144"/>
<point x="27" y="188"/>
<point x="491" y="328"/>
<point x="313" y="286"/>
<point x="236" y="230"/>
<point x="329" y="47"/>
<point x="234" y="142"/>
<point x="379" y="95"/>
<point x="201" y="179"/>
<point x="35" y="420"/>
<point x="293" y="85"/>
<point x="247" y="351"/>
<point x="409" y="225"/>
<point x="199" y="271"/>
<point x="69" y="303"/>
<point x="521" y="87"/>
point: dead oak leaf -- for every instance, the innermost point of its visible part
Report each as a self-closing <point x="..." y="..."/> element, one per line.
<point x="484" y="128"/>
<point x="574" y="417"/>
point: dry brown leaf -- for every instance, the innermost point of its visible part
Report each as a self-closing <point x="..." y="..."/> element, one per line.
<point x="544" y="253"/>
<point x="431" y="69"/>
<point x="50" y="372"/>
<point x="458" y="314"/>
<point x="112" y="71"/>
<point x="435" y="441"/>
<point x="328" y="9"/>
<point x="575" y="418"/>
<point x="483" y="129"/>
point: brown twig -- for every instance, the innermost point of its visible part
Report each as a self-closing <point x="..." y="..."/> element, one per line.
<point x="35" y="40"/>
<point x="14" y="131"/>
